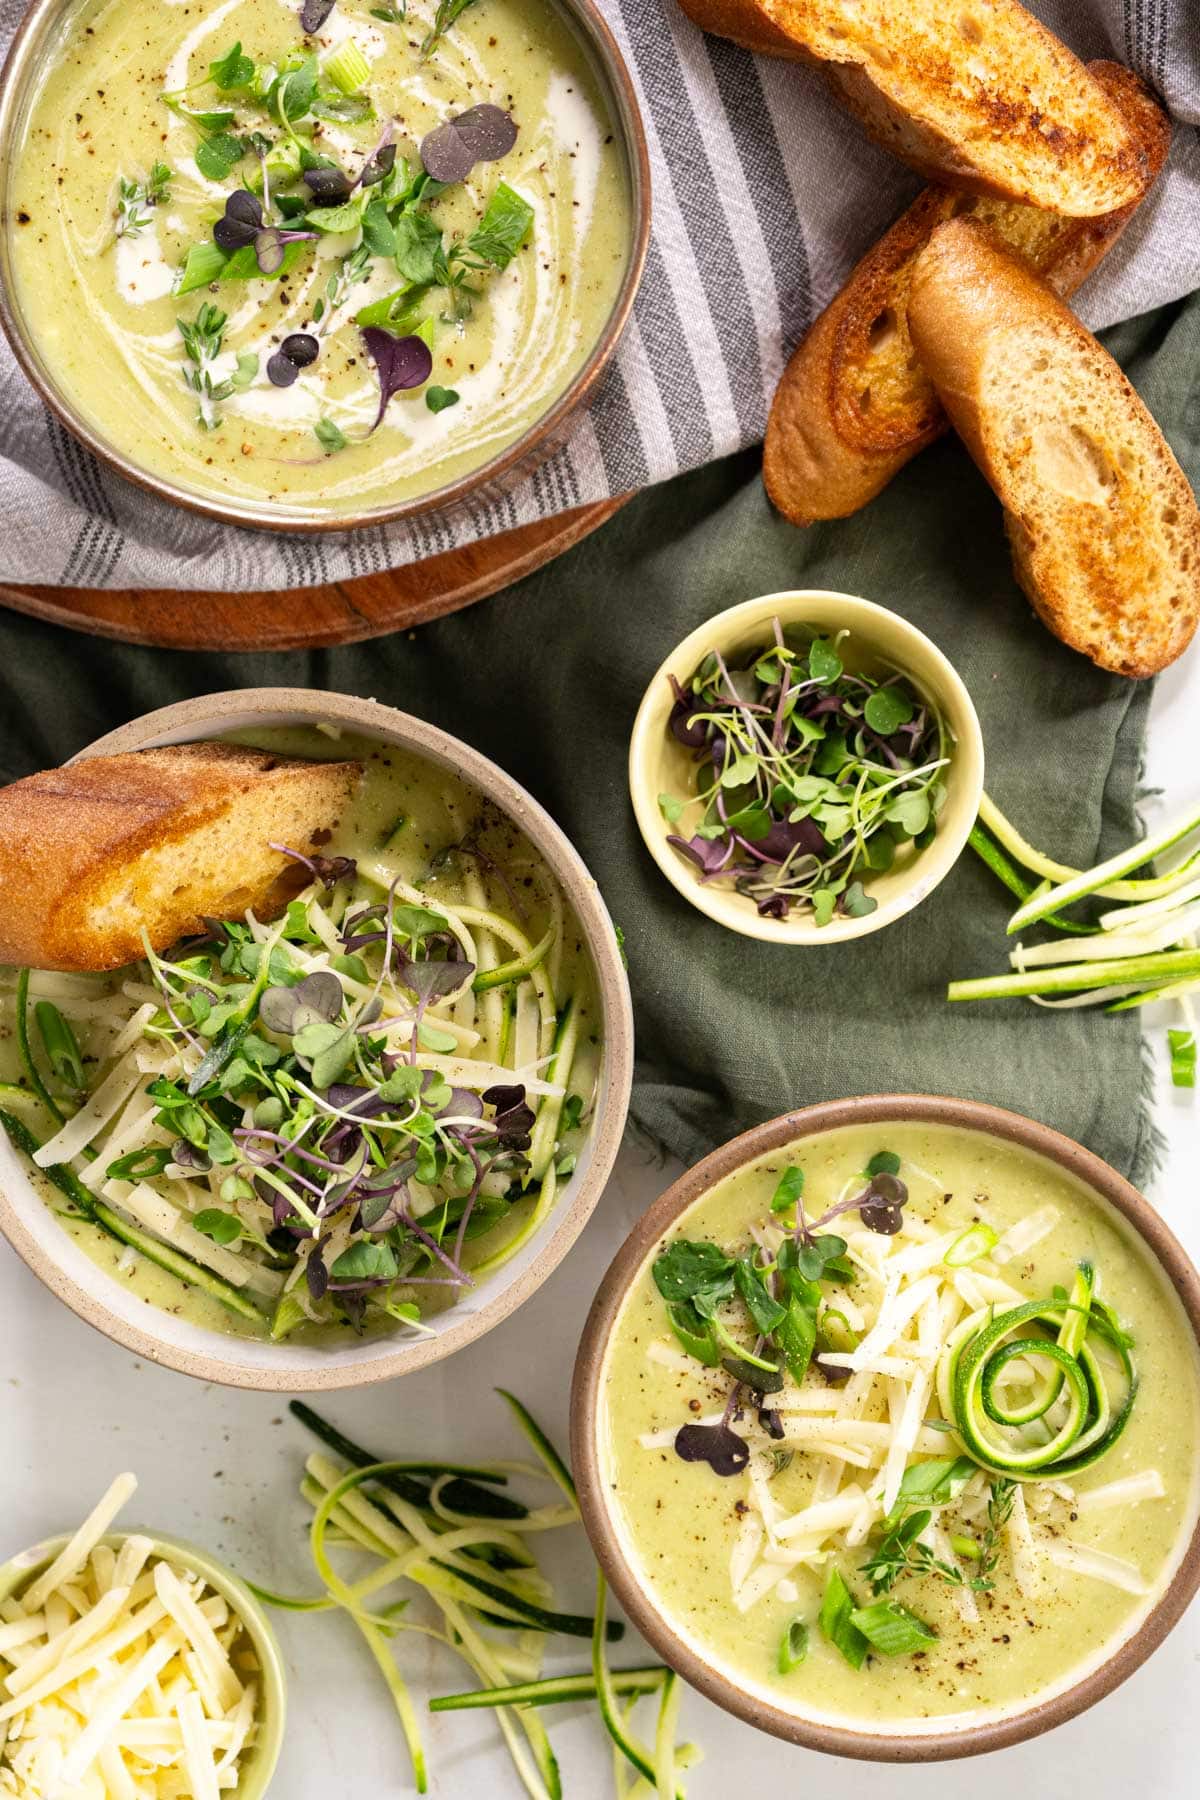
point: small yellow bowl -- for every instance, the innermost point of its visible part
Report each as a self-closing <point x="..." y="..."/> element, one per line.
<point x="658" y="764"/>
<point x="257" y="1765"/>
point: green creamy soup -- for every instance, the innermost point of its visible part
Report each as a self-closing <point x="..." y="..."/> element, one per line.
<point x="172" y="351"/>
<point x="468" y="1143"/>
<point x="1015" y="1587"/>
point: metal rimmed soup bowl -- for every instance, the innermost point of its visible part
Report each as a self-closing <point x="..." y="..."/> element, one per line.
<point x="99" y="1297"/>
<point x="33" y="51"/>
<point x="680" y="1643"/>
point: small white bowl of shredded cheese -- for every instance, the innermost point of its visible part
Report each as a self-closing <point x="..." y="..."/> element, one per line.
<point x="133" y="1667"/>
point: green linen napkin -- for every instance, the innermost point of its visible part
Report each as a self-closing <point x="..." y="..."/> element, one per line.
<point x="546" y="679"/>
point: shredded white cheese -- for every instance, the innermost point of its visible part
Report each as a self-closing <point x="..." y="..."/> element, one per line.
<point x="119" y="1675"/>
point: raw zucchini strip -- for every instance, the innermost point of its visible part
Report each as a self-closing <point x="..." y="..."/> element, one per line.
<point x="1087" y="1424"/>
<point x="98" y="1212"/>
<point x="555" y="1690"/>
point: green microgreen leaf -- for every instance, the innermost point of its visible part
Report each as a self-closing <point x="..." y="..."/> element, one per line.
<point x="884" y="1162"/>
<point x="788" y="1190"/>
<point x="824" y="663"/>
<point x="887" y="709"/>
<point x="221" y="1227"/>
<point x="437" y="399"/>
<point x="332" y="438"/>
<point x="365" y="1261"/>
<point x="233" y="70"/>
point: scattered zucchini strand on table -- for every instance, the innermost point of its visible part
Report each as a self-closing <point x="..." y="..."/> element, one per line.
<point x="453" y="1535"/>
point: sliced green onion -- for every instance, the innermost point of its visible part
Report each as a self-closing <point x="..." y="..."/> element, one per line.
<point x="837" y="1619"/>
<point x="978" y="1240"/>
<point x="891" y="1629"/>
<point x="348" y="68"/>
<point x="554" y="1690"/>
<point x="1183" y="1058"/>
<point x="793" y="1647"/>
<point x="61" y="1046"/>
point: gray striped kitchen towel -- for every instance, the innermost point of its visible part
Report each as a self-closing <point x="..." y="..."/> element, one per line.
<point x="764" y="195"/>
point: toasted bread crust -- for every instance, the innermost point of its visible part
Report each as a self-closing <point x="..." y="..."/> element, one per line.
<point x="982" y="97"/>
<point x="1104" y="528"/>
<point x="746" y="23"/>
<point x="853" y="405"/>
<point x="91" y="852"/>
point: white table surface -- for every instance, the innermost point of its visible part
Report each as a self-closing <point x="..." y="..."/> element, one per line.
<point x="222" y="1468"/>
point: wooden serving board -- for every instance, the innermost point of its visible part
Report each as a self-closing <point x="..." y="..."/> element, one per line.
<point x="310" y="618"/>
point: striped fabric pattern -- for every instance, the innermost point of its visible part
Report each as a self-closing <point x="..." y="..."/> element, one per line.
<point x="764" y="195"/>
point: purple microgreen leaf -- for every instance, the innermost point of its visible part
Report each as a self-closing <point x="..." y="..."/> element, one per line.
<point x="482" y="134"/>
<point x="378" y="165"/>
<point x="301" y="348"/>
<point x="316" y="1274"/>
<point x="328" y="187"/>
<point x="400" y="363"/>
<point x="513" y="1117"/>
<point x="718" y="1445"/>
<point x="281" y="370"/>
<point x="313" y="15"/>
<point x="882" y="1207"/>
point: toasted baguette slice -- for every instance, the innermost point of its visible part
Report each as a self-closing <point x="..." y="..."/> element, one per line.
<point x="1104" y="531"/>
<point x="975" y="93"/>
<point x="157" y="839"/>
<point x="853" y="405"/>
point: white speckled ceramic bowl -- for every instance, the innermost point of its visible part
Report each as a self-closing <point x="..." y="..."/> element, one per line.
<point x="162" y="1337"/>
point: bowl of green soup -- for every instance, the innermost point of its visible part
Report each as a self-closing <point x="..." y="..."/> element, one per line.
<point x="333" y="1144"/>
<point x="315" y="266"/>
<point x="886" y="1423"/>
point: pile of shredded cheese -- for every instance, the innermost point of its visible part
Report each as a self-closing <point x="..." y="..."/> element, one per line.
<point x="859" y="1438"/>
<point x="124" y="1677"/>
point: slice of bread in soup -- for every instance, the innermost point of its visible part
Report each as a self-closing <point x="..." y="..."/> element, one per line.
<point x="92" y="854"/>
<point x="1104" y="529"/>
<point x="976" y="93"/>
<point x="853" y="405"/>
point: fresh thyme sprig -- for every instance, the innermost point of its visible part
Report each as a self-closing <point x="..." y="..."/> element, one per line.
<point x="350" y="271"/>
<point x="901" y="1552"/>
<point x="136" y="199"/>
<point x="448" y="12"/>
<point x="203" y="337"/>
